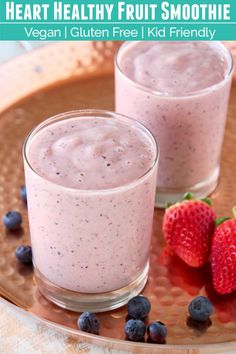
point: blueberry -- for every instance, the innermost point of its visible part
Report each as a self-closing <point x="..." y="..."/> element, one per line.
<point x="135" y="330"/>
<point x="24" y="254"/>
<point x="139" y="307"/>
<point x="157" y="332"/>
<point x="23" y="194"/>
<point x="12" y="220"/>
<point x="200" y="308"/>
<point x="88" y="322"/>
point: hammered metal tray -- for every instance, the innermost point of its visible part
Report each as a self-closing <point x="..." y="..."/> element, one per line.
<point x="67" y="76"/>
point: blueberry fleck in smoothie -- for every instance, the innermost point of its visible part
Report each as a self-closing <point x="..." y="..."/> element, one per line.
<point x="180" y="91"/>
<point x="91" y="179"/>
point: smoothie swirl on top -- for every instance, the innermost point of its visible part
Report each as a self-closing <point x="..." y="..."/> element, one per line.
<point x="91" y="153"/>
<point x="175" y="68"/>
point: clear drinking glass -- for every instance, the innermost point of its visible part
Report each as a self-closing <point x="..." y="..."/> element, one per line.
<point x="90" y="247"/>
<point x="189" y="128"/>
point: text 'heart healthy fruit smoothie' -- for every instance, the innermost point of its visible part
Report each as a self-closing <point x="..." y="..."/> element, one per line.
<point x="180" y="91"/>
<point x="91" y="180"/>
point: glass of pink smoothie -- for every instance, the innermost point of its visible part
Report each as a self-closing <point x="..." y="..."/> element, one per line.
<point x="91" y="180"/>
<point x="180" y="91"/>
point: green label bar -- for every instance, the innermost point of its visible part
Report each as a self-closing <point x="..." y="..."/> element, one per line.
<point x="118" y="20"/>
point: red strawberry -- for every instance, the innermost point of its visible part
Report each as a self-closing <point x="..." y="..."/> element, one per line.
<point x="223" y="255"/>
<point x="188" y="227"/>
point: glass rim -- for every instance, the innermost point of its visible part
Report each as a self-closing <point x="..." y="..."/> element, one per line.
<point x="162" y="94"/>
<point x="83" y="113"/>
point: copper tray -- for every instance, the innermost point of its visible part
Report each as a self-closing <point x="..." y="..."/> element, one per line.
<point x="66" y="76"/>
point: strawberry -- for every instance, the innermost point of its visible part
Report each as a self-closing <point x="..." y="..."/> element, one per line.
<point x="223" y="255"/>
<point x="188" y="227"/>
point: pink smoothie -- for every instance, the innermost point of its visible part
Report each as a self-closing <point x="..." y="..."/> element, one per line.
<point x="91" y="190"/>
<point x="180" y="91"/>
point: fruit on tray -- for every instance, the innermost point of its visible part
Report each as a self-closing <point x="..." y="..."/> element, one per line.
<point x="23" y="194"/>
<point x="135" y="330"/>
<point x="194" y="234"/>
<point x="157" y="332"/>
<point x="223" y="255"/>
<point x="88" y="322"/>
<point x="24" y="254"/>
<point x="138" y="307"/>
<point x="12" y="220"/>
<point x="188" y="227"/>
<point x="200" y="309"/>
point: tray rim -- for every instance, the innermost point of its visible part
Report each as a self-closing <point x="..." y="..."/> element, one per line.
<point x="113" y="343"/>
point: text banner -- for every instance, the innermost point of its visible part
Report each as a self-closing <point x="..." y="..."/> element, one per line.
<point x="118" y="20"/>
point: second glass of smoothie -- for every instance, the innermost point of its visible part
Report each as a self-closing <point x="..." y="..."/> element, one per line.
<point x="91" y="180"/>
<point x="180" y="91"/>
